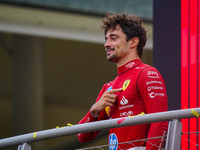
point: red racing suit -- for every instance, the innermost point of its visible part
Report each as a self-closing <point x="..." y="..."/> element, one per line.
<point x="143" y="91"/>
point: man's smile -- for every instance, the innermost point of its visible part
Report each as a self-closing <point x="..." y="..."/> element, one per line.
<point x="109" y="50"/>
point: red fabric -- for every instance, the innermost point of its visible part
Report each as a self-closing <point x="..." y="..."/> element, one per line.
<point x="145" y="91"/>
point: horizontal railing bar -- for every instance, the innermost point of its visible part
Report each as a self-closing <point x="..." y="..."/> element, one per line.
<point x="98" y="125"/>
<point x="197" y="132"/>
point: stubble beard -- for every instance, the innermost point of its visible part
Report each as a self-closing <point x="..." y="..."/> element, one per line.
<point x="112" y="58"/>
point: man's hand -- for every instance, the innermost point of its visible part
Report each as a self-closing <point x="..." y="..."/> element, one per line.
<point x="107" y="99"/>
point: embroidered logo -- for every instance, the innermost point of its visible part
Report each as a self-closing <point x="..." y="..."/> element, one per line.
<point x="124" y="101"/>
<point x="125" y="85"/>
<point x="152" y="74"/>
<point x="113" y="142"/>
<point x="129" y="65"/>
<point x="107" y="109"/>
<point x="110" y="88"/>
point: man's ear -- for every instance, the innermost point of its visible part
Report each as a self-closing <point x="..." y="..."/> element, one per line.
<point x="134" y="42"/>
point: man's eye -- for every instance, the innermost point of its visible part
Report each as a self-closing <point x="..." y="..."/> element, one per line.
<point x="114" y="38"/>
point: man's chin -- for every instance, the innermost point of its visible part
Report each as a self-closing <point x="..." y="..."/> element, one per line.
<point x="111" y="59"/>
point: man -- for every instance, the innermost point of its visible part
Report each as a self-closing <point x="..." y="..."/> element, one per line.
<point x="137" y="88"/>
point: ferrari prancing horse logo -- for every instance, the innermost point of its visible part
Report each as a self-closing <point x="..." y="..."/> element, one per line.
<point x="125" y="85"/>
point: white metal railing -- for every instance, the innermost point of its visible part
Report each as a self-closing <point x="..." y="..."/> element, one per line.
<point x="173" y="136"/>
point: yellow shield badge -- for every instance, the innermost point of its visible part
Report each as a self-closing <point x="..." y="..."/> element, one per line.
<point x="107" y="109"/>
<point x="126" y="83"/>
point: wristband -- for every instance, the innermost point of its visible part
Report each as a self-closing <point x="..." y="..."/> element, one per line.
<point x="93" y="114"/>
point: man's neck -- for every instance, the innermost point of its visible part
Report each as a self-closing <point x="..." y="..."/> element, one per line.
<point x="126" y="60"/>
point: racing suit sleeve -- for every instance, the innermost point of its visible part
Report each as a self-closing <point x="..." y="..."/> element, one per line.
<point x="153" y="91"/>
<point x="86" y="137"/>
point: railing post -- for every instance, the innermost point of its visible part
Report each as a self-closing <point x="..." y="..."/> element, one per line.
<point x="24" y="146"/>
<point x="174" y="135"/>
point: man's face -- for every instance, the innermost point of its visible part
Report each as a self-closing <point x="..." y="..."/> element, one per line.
<point x="116" y="46"/>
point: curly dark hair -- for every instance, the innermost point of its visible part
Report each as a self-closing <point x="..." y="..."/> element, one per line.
<point x="130" y="24"/>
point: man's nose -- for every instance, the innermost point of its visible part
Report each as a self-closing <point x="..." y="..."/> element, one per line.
<point x="107" y="43"/>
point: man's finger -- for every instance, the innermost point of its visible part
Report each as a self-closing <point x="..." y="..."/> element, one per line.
<point x="116" y="90"/>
